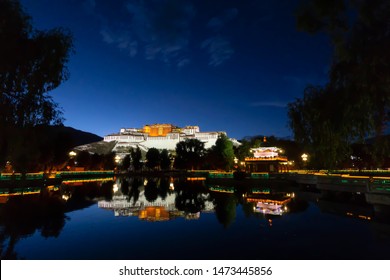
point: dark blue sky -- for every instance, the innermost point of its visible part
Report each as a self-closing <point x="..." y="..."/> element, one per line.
<point x="223" y="65"/>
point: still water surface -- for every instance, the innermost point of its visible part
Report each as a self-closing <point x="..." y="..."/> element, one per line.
<point x="162" y="218"/>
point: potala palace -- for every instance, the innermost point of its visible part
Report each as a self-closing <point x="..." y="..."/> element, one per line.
<point x="161" y="136"/>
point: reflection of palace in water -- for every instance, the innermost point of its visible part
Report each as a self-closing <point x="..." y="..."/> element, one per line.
<point x="270" y="204"/>
<point x="161" y="209"/>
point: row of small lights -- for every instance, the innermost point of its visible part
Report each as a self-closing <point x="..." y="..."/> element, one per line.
<point x="117" y="158"/>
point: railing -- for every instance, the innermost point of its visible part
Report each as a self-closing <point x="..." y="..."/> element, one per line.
<point x="20" y="176"/>
<point x="57" y="175"/>
<point x="260" y="175"/>
<point x="220" y="174"/>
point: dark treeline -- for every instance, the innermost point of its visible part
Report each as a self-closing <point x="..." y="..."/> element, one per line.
<point x="189" y="154"/>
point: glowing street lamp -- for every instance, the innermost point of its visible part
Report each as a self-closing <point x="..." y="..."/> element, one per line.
<point x="117" y="159"/>
<point x="305" y="158"/>
<point x="72" y="154"/>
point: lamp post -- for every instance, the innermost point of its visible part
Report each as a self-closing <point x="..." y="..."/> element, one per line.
<point x="72" y="163"/>
<point x="117" y="159"/>
<point x="305" y="158"/>
<point x="235" y="163"/>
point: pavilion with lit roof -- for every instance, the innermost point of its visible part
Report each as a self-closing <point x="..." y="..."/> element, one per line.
<point x="266" y="159"/>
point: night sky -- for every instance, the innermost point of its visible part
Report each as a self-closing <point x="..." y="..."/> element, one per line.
<point x="223" y="65"/>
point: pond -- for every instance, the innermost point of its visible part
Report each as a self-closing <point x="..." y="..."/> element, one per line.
<point x="167" y="218"/>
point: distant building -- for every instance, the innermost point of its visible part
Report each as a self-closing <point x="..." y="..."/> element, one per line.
<point x="161" y="136"/>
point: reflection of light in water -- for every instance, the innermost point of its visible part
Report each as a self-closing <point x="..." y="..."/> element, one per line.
<point x="196" y="179"/>
<point x="115" y="187"/>
<point x="270" y="208"/>
<point x="363" y="217"/>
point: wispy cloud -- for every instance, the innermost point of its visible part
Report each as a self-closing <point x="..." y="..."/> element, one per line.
<point x="122" y="40"/>
<point x="269" y="104"/>
<point x="164" y="30"/>
<point x="218" y="22"/>
<point x="183" y="62"/>
<point x="219" y="47"/>
<point x="219" y="50"/>
<point x="158" y="32"/>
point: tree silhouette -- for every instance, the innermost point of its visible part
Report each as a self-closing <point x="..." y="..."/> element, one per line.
<point x="134" y="190"/>
<point x="189" y="154"/>
<point x="32" y="63"/>
<point x="165" y="160"/>
<point x="22" y="216"/>
<point x="164" y="187"/>
<point x="136" y="158"/>
<point x="151" y="190"/>
<point x="225" y="208"/>
<point x="126" y="163"/>
<point x="358" y="88"/>
<point x="326" y="135"/>
<point x="152" y="158"/>
<point x="221" y="155"/>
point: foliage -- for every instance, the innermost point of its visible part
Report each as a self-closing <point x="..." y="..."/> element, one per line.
<point x="32" y="63"/>
<point x="39" y="148"/>
<point x="151" y="190"/>
<point x="152" y="158"/>
<point x="136" y="157"/>
<point x="189" y="154"/>
<point x="22" y="216"/>
<point x="164" y="187"/>
<point x="318" y="123"/>
<point x="126" y="163"/>
<point x="225" y="208"/>
<point x="134" y="190"/>
<point x="189" y="201"/>
<point x="355" y="103"/>
<point x="221" y="155"/>
<point x="165" y="163"/>
<point x="83" y="158"/>
<point x="106" y="190"/>
<point x="243" y="150"/>
<point x="109" y="161"/>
